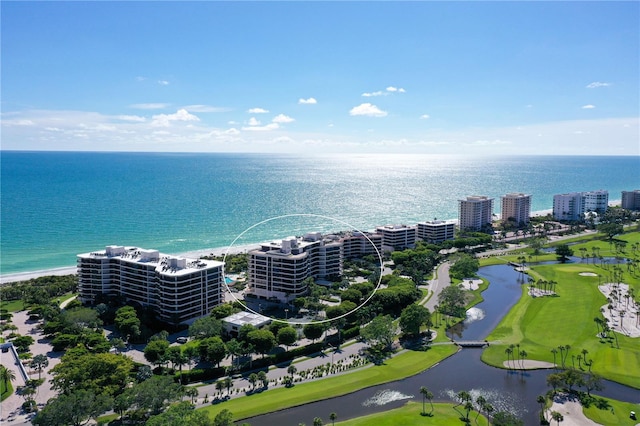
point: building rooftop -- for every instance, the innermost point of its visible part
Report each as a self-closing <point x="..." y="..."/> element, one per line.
<point x="164" y="263"/>
<point x="241" y="318"/>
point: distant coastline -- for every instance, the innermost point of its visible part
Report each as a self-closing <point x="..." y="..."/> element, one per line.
<point x="193" y="254"/>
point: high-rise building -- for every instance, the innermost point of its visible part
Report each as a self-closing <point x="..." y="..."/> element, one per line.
<point x="596" y="201"/>
<point x="568" y="206"/>
<point x="436" y="231"/>
<point x="516" y="207"/>
<point x="278" y="270"/>
<point x="397" y="237"/>
<point x="475" y="213"/>
<point x="178" y="289"/>
<point x="573" y="206"/>
<point x="358" y="244"/>
<point x="631" y="200"/>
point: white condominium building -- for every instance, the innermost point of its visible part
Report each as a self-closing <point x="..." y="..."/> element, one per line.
<point x="516" y="207"/>
<point x="179" y="290"/>
<point x="436" y="231"/>
<point x="574" y="205"/>
<point x="596" y="201"/>
<point x="359" y="244"/>
<point x="475" y="213"/>
<point x="397" y="237"/>
<point x="631" y="200"/>
<point x="568" y="206"/>
<point x="278" y="270"/>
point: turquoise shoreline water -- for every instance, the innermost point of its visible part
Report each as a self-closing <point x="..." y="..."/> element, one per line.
<point x="58" y="204"/>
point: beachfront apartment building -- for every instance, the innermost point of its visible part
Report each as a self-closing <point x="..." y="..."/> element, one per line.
<point x="178" y="289"/>
<point x="596" y="201"/>
<point x="631" y="200"/>
<point x="279" y="270"/>
<point x="516" y="207"/>
<point x="436" y="231"/>
<point x="475" y="213"/>
<point x="358" y="244"/>
<point x="568" y="207"/>
<point x="572" y="206"/>
<point x="397" y="237"/>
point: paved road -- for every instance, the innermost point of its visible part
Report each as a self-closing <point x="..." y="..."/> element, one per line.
<point x="438" y="284"/>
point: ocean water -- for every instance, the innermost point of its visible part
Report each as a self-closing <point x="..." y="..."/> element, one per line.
<point x="55" y="205"/>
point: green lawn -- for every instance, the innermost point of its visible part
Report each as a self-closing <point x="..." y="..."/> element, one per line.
<point x="12" y="305"/>
<point x="403" y="365"/>
<point x="410" y="414"/>
<point x="540" y="324"/>
<point x="5" y="392"/>
<point x="616" y="414"/>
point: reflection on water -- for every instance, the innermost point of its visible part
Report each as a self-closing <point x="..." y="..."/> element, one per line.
<point x="474" y="314"/>
<point x="384" y="397"/>
<point x="511" y="391"/>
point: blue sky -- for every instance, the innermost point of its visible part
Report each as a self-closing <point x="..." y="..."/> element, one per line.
<point x="474" y="78"/>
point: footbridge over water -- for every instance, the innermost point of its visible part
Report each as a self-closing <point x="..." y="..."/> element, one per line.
<point x="471" y="343"/>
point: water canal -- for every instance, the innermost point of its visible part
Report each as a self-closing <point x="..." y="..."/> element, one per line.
<point x="505" y="390"/>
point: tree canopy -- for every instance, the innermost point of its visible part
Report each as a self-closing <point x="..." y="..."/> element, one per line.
<point x="102" y="373"/>
<point x="412" y="318"/>
<point x="464" y="266"/>
<point x="380" y="331"/>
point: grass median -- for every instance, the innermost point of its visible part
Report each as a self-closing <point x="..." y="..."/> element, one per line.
<point x="400" y="366"/>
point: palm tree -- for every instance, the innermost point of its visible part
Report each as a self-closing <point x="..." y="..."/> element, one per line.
<point x="333" y="417"/>
<point x="292" y="370"/>
<point x="6" y="376"/>
<point x="523" y="355"/>
<point x="557" y="417"/>
<point x="481" y="402"/>
<point x="192" y="393"/>
<point x="228" y="383"/>
<point x="253" y="379"/>
<point x="426" y="395"/>
<point x="508" y="351"/>
<point x="317" y="421"/>
<point x="554" y="351"/>
<point x="542" y="401"/>
<point x="39" y="362"/>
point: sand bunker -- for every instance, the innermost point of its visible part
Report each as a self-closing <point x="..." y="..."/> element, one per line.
<point x="626" y="324"/>
<point x="536" y="292"/>
<point x="588" y="274"/>
<point x="571" y="410"/>
<point x="527" y="364"/>
<point x="470" y="284"/>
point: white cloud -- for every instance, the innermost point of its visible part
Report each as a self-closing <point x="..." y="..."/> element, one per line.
<point x="368" y="110"/>
<point x="257" y="111"/>
<point x="19" y="122"/>
<point x="597" y="84"/>
<point x="309" y="101"/>
<point x="425" y="116"/>
<point x="205" y="108"/>
<point x="489" y="143"/>
<point x="163" y="82"/>
<point x="270" y="126"/>
<point x="281" y="118"/>
<point x="588" y="106"/>
<point x="135" y="118"/>
<point x="254" y="121"/>
<point x="370" y="94"/>
<point x="164" y="120"/>
<point x="389" y="90"/>
<point x="150" y="106"/>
